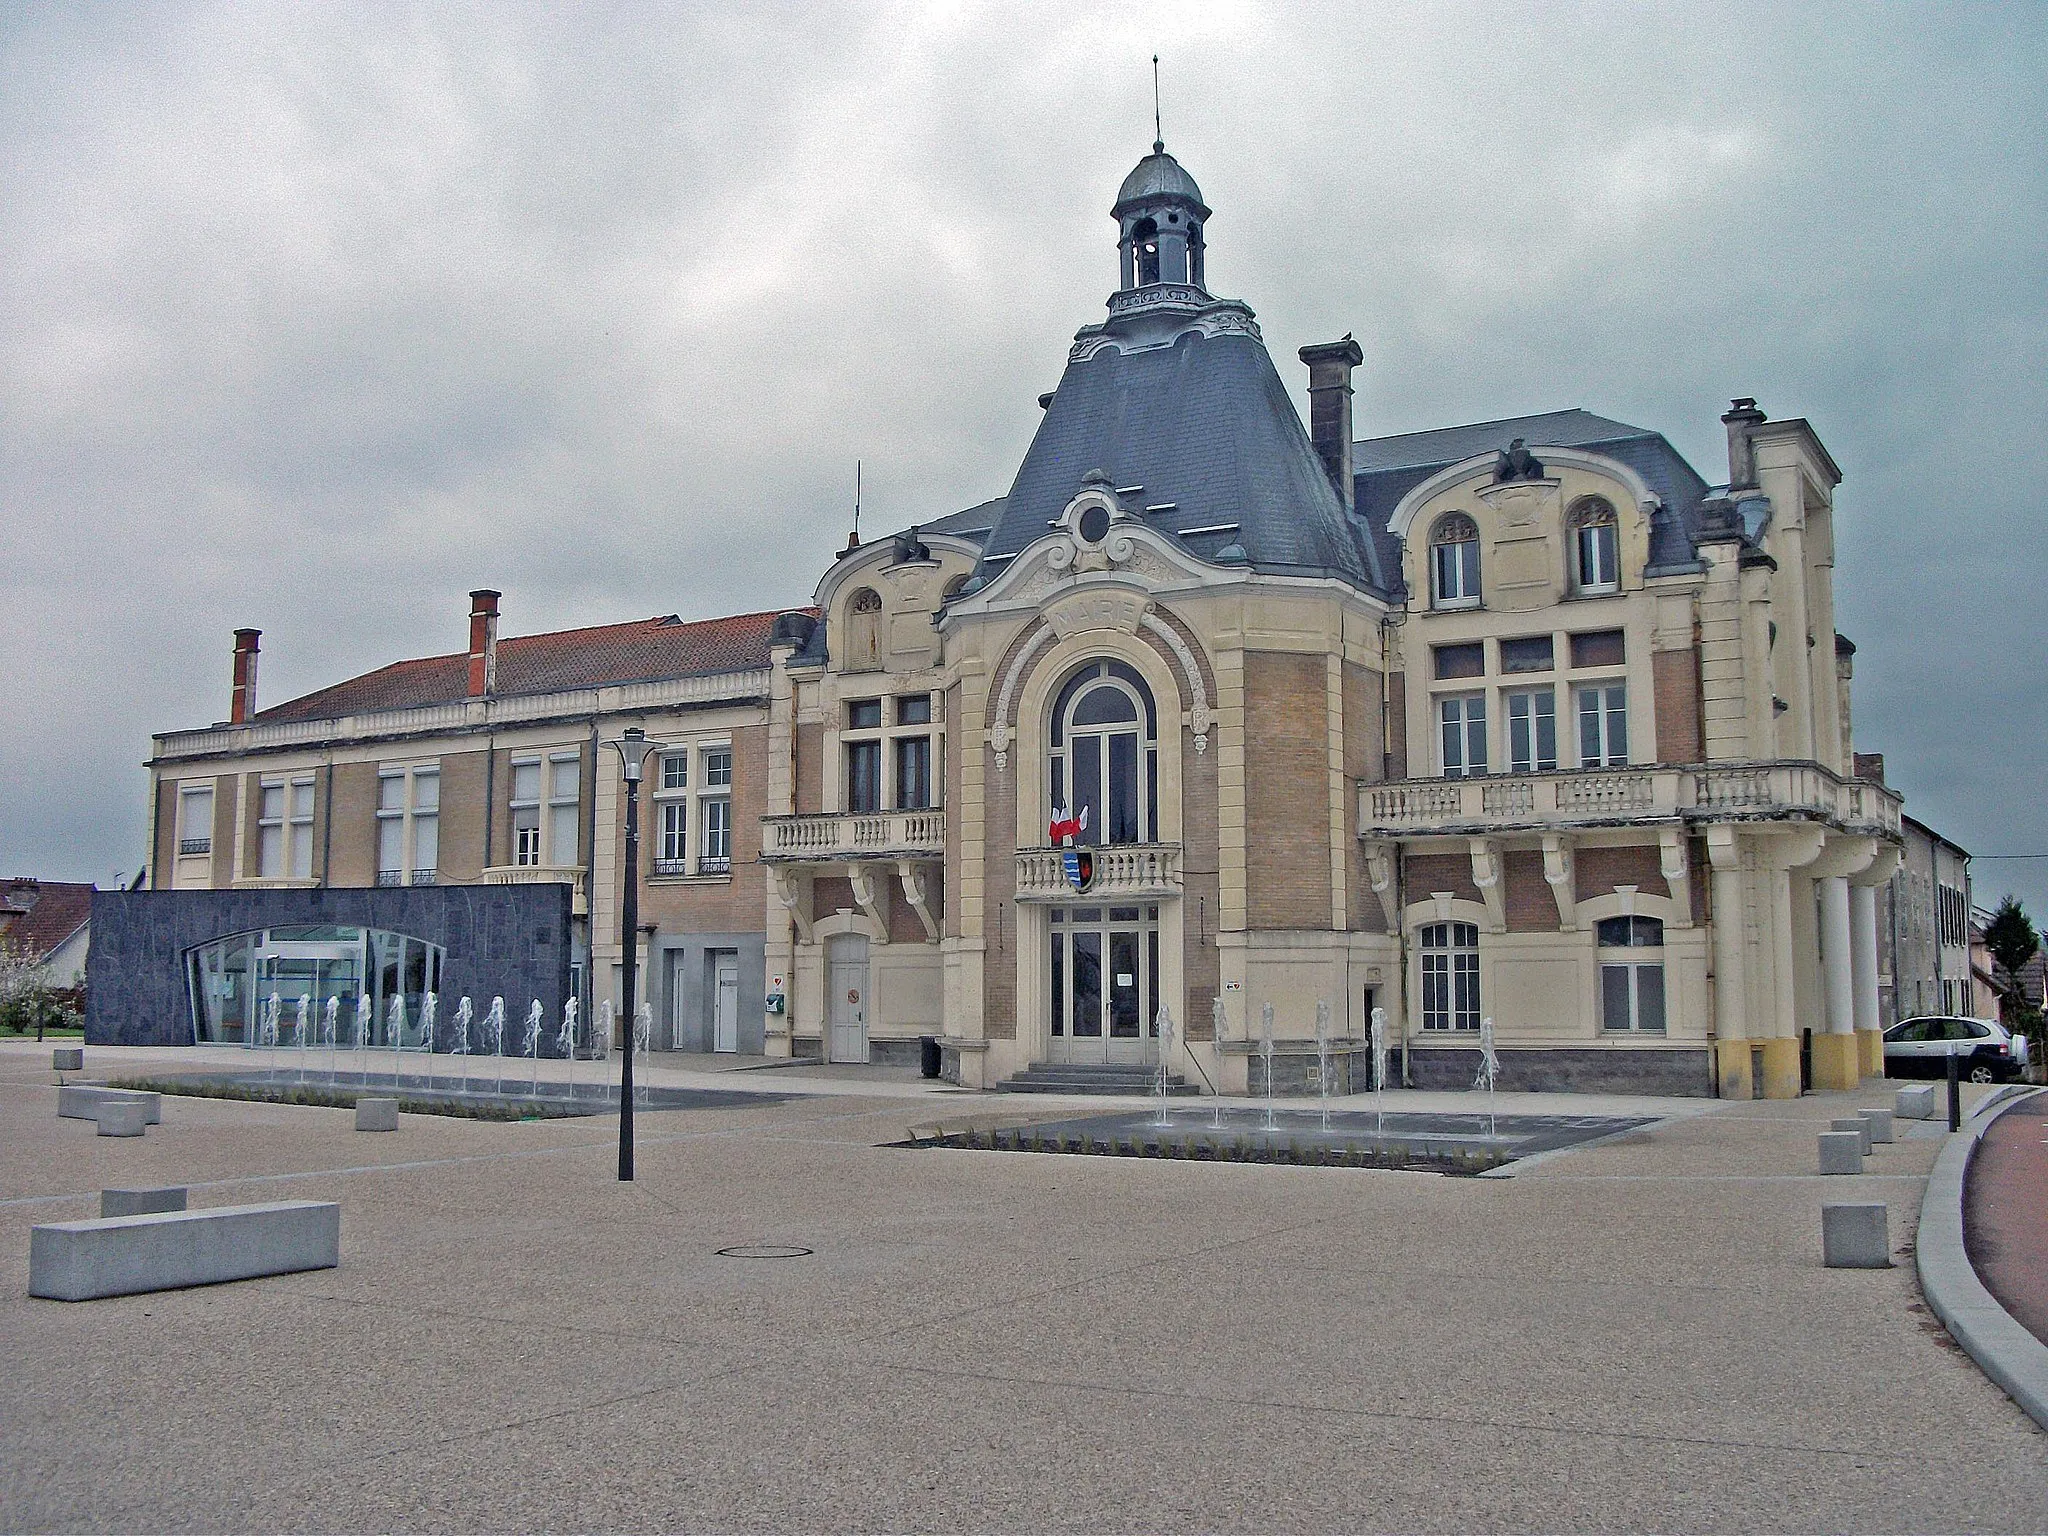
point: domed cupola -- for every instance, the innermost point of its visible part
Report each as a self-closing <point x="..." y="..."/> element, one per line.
<point x="1160" y="211"/>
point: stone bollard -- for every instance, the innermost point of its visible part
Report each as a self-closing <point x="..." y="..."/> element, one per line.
<point x="1880" y="1123"/>
<point x="1855" y="1236"/>
<point x="376" y="1114"/>
<point x="1841" y="1152"/>
<point x="1916" y="1103"/>
<point x="141" y="1202"/>
<point x="68" y="1058"/>
<point x="1857" y="1124"/>
<point x="122" y="1117"/>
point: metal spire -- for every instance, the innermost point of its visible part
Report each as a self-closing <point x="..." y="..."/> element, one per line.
<point x="1158" y="134"/>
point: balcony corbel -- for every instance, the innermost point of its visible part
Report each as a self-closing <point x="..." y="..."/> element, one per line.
<point x="1675" y="865"/>
<point x="1486" y="874"/>
<point x="1380" y="865"/>
<point x="915" y="892"/>
<point x="868" y="894"/>
<point x="793" y="890"/>
<point x="1561" y="878"/>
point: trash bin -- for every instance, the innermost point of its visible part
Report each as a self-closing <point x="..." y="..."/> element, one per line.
<point x="930" y="1054"/>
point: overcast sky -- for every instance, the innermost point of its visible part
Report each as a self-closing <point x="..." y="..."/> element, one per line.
<point x="312" y="318"/>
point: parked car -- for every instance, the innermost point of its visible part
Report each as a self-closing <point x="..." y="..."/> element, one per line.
<point x="1920" y="1047"/>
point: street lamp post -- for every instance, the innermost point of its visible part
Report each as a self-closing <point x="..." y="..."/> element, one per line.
<point x="633" y="748"/>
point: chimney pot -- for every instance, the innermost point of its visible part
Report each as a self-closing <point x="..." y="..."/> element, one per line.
<point x="242" y="700"/>
<point x="483" y="642"/>
<point x="1329" y="409"/>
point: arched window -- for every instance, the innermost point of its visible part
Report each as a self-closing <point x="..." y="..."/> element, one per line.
<point x="1632" y="982"/>
<point x="864" y="631"/>
<point x="1104" y="755"/>
<point x="1145" y="246"/>
<point x="1596" y="551"/>
<point x="1450" y="976"/>
<point x="1454" y="562"/>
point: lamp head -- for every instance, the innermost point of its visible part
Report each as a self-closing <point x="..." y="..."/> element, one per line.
<point x="633" y="746"/>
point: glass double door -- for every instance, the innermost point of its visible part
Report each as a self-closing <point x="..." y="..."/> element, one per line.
<point x="1104" y="985"/>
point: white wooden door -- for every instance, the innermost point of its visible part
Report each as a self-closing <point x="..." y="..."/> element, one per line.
<point x="846" y="999"/>
<point x="725" y="1020"/>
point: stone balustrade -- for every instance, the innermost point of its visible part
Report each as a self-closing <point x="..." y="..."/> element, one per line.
<point x="854" y="835"/>
<point x="1777" y="791"/>
<point x="1127" y="872"/>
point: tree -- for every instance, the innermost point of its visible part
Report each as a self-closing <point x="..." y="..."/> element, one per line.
<point x="2012" y="941"/>
<point x="27" y="1000"/>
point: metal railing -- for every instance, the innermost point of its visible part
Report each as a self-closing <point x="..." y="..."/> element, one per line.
<point x="195" y="845"/>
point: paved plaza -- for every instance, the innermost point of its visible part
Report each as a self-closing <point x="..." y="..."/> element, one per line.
<point x="1633" y="1334"/>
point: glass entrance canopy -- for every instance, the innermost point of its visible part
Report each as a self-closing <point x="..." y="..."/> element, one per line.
<point x="231" y="978"/>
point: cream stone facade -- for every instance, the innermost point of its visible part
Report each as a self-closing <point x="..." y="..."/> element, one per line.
<point x="1213" y="726"/>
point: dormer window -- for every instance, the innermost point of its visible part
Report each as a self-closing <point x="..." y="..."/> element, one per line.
<point x="1454" y="562"/>
<point x="1595" y="532"/>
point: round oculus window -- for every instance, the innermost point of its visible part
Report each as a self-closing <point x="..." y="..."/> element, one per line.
<point x="1093" y="524"/>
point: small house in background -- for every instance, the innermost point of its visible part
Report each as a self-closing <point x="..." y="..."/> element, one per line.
<point x="52" y="921"/>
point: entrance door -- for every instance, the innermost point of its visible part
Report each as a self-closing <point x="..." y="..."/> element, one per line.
<point x="1105" y="985"/>
<point x="846" y="998"/>
<point x="725" y="1018"/>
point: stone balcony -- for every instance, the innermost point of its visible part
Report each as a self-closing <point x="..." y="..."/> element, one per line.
<point x="1617" y="797"/>
<point x="544" y="874"/>
<point x="1127" y="872"/>
<point x="854" y="835"/>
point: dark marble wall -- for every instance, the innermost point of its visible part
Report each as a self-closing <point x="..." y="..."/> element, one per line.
<point x="1677" y="1072"/>
<point x="508" y="940"/>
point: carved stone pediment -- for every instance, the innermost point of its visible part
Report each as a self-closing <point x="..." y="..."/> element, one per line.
<point x="1522" y="503"/>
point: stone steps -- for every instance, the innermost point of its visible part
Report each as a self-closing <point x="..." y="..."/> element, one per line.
<point x="1051" y="1077"/>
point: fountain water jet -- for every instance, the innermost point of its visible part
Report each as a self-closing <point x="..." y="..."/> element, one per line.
<point x="300" y="1031"/>
<point x="330" y="1026"/>
<point x="1379" y="1068"/>
<point x="1323" y="1056"/>
<point x="1162" y="1026"/>
<point x="532" y="1045"/>
<point x="1266" y="1051"/>
<point x="1489" y="1071"/>
<point x="643" y="1031"/>
<point x="565" y="1038"/>
<point x="494" y="1032"/>
<point x="601" y="1042"/>
<point x="1216" y="1039"/>
<point x="463" y="1014"/>
<point x="394" y="1025"/>
<point x="427" y="1007"/>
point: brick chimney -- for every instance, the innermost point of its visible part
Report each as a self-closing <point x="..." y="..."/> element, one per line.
<point x="242" y="702"/>
<point x="1329" y="408"/>
<point x="483" y="643"/>
<point x="1742" y="416"/>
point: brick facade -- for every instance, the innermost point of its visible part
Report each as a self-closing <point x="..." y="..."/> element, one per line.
<point x="1287" y="790"/>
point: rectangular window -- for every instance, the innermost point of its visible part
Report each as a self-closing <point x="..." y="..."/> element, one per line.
<point x="674" y="846"/>
<point x="914" y="709"/>
<point x="302" y="828"/>
<point x="675" y="770"/>
<point x="1532" y="731"/>
<point x="195" y="820"/>
<point x="1462" y="725"/>
<point x="1450" y="976"/>
<point x="526" y="851"/>
<point x="718" y="767"/>
<point x="716" y="857"/>
<point x="1632" y="998"/>
<point x="1599" y="570"/>
<point x="1599" y="648"/>
<point x="565" y="775"/>
<point x="391" y="828"/>
<point x="270" y="830"/>
<point x="1532" y="653"/>
<point x="1456" y="571"/>
<point x="1603" y="726"/>
<point x="1467" y="660"/>
<point x="426" y="825"/>
<point x="864" y="715"/>
<point x="913" y="773"/>
<point x="863" y="776"/>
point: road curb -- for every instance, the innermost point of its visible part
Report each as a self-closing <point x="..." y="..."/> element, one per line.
<point x="2003" y="1350"/>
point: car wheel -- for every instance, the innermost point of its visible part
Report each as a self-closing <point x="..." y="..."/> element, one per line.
<point x="1982" y="1074"/>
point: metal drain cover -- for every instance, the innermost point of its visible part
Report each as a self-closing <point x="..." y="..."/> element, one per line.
<point x="765" y="1251"/>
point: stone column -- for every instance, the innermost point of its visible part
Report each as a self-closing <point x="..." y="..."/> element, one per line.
<point x="1835" y="1059"/>
<point x="1731" y="997"/>
<point x="1781" y="1047"/>
<point x="1863" y="968"/>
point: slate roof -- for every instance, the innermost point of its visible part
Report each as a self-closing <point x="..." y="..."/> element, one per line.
<point x="1157" y="175"/>
<point x="1206" y="425"/>
<point x="640" y="651"/>
<point x="43" y="919"/>
<point x="1386" y="468"/>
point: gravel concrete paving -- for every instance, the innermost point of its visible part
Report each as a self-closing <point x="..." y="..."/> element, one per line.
<point x="1630" y="1335"/>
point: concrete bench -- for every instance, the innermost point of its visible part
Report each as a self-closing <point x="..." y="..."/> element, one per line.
<point x="1916" y="1103"/>
<point x="376" y="1114"/>
<point x="1857" y="1124"/>
<point x="1855" y="1236"/>
<point x="115" y="1118"/>
<point x="81" y="1101"/>
<point x="127" y="1255"/>
<point x="1841" y="1152"/>
<point x="1880" y="1123"/>
<point x="141" y="1202"/>
<point x="68" y="1058"/>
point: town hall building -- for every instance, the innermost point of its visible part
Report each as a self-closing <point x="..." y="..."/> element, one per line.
<point x="1211" y="719"/>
